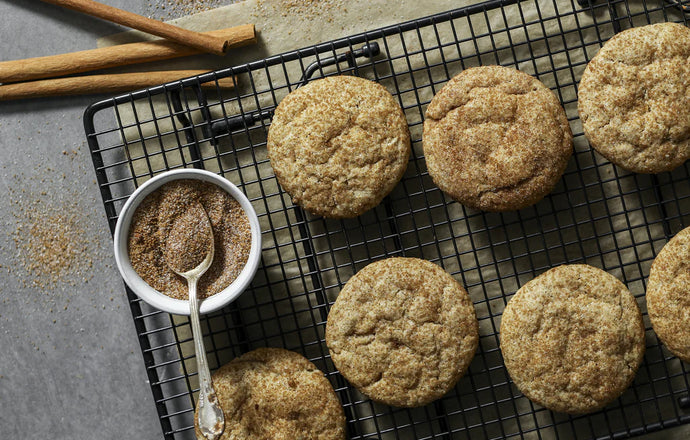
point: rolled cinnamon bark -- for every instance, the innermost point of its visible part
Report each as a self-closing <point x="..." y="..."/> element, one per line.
<point x="202" y="42"/>
<point x="120" y="55"/>
<point x="91" y="84"/>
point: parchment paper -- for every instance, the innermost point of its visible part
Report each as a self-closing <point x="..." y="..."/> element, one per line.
<point x="624" y="223"/>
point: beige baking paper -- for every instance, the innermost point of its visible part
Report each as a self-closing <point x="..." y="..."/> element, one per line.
<point x="630" y="227"/>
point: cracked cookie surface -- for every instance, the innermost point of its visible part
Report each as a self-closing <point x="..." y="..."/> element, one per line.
<point x="634" y="98"/>
<point x="276" y="394"/>
<point x="339" y="145"/>
<point x="402" y="331"/>
<point x="572" y="338"/>
<point x="668" y="295"/>
<point x="496" y="139"/>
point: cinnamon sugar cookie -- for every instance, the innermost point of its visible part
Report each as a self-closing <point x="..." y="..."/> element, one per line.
<point x="572" y="338"/>
<point x="276" y="394"/>
<point x="634" y="98"/>
<point x="496" y="139"/>
<point x="668" y="295"/>
<point x="339" y="145"/>
<point x="402" y="331"/>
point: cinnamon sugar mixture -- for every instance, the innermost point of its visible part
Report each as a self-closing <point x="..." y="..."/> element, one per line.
<point x="154" y="219"/>
<point x="190" y="240"/>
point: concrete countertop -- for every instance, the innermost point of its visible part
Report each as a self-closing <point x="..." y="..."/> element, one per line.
<point x="71" y="366"/>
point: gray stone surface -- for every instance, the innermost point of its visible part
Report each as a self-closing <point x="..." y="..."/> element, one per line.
<point x="70" y="367"/>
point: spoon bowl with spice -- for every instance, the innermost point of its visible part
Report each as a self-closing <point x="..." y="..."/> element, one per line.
<point x="145" y="223"/>
<point x="189" y="251"/>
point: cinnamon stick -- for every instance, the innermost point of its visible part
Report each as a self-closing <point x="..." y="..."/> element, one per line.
<point x="204" y="43"/>
<point x="120" y="55"/>
<point x="92" y="84"/>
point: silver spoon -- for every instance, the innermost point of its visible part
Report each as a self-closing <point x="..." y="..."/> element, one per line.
<point x="189" y="253"/>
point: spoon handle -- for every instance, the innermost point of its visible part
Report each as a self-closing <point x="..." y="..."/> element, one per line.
<point x="211" y="420"/>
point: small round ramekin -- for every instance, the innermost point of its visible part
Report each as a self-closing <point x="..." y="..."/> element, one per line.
<point x="158" y="299"/>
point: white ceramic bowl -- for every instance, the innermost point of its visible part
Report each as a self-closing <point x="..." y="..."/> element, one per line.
<point x="156" y="298"/>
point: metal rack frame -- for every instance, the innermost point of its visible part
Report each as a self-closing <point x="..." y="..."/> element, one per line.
<point x="597" y="214"/>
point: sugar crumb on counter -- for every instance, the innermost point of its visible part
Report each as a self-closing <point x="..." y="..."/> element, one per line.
<point x="308" y="10"/>
<point x="170" y="9"/>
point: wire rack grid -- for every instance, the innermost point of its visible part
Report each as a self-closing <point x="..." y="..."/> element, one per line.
<point x="597" y="214"/>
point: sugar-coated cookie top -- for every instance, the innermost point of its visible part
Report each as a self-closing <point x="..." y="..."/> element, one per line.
<point x="668" y="295"/>
<point x="496" y="139"/>
<point x="572" y="338"/>
<point x="634" y="98"/>
<point x="339" y="145"/>
<point x="402" y="331"/>
<point x="276" y="394"/>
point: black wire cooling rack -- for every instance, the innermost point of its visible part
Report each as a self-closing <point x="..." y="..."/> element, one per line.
<point x="597" y="214"/>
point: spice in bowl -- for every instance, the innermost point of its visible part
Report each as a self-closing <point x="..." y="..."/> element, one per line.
<point x="190" y="241"/>
<point x="153" y="222"/>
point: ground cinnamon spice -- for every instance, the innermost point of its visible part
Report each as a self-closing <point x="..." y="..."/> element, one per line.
<point x="190" y="240"/>
<point x="152" y="223"/>
<point x="167" y="9"/>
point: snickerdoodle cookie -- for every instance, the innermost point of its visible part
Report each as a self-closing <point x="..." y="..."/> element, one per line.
<point x="496" y="139"/>
<point x="572" y="338"/>
<point x="276" y="394"/>
<point x="339" y="145"/>
<point x="668" y="295"/>
<point x="402" y="331"/>
<point x="634" y="98"/>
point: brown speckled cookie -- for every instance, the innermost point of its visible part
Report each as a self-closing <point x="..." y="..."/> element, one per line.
<point x="402" y="331"/>
<point x="668" y="295"/>
<point x="634" y="98"/>
<point x="276" y="394"/>
<point x="496" y="139"/>
<point x="339" y="145"/>
<point x="572" y="338"/>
